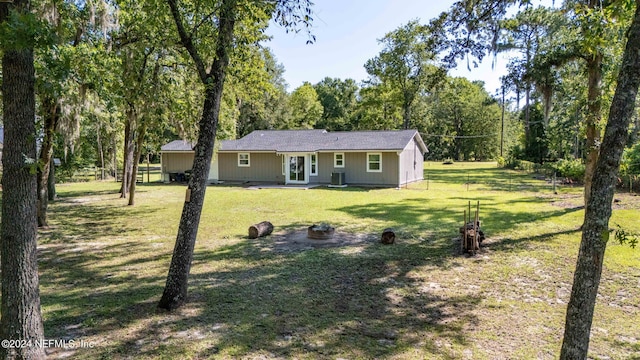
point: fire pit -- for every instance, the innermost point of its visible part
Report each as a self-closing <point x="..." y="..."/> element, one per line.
<point x="320" y="232"/>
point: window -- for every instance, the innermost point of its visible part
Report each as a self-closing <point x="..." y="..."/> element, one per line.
<point x="314" y="165"/>
<point x="243" y="160"/>
<point x="374" y="162"/>
<point x="338" y="160"/>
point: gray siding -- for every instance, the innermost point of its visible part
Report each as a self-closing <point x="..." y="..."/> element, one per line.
<point x="265" y="167"/>
<point x="325" y="168"/>
<point x="411" y="163"/>
<point x="356" y="169"/>
<point x="177" y="162"/>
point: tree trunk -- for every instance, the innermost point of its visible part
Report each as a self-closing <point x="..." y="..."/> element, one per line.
<point x="594" y="110"/>
<point x="127" y="157"/>
<point x="595" y="230"/>
<point x="51" y="183"/>
<point x="175" y="291"/>
<point x="136" y="164"/>
<point x="114" y="160"/>
<point x="406" y="115"/>
<point x="100" y="151"/>
<point x="458" y="140"/>
<point x="20" y="305"/>
<point x="51" y="118"/>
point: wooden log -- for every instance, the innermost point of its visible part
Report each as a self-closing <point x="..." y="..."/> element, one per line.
<point x="388" y="236"/>
<point x="260" y="229"/>
<point x="463" y="234"/>
<point x="476" y="229"/>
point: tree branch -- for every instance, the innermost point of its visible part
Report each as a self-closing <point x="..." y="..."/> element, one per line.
<point x="204" y="19"/>
<point x="187" y="41"/>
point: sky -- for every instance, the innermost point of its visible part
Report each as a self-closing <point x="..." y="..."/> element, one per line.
<point x="347" y="33"/>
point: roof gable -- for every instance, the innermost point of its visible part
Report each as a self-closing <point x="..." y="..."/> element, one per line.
<point x="322" y="140"/>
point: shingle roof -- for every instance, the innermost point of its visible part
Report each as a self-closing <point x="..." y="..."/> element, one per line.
<point x="177" y="145"/>
<point x="322" y="140"/>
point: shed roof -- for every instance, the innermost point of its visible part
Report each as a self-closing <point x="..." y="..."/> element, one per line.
<point x="177" y="145"/>
<point x="322" y="140"/>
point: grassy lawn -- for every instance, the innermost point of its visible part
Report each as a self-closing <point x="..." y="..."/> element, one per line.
<point x="103" y="266"/>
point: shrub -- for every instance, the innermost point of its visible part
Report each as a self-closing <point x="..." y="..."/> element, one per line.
<point x="631" y="161"/>
<point x="571" y="169"/>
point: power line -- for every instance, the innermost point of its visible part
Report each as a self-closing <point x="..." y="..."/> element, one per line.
<point x="462" y="136"/>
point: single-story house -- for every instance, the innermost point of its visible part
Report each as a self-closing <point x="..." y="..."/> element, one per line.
<point x="384" y="158"/>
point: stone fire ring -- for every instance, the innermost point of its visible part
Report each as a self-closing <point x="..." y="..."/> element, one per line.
<point x="320" y="232"/>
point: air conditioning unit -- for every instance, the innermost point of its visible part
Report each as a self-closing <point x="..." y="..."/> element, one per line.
<point x="337" y="178"/>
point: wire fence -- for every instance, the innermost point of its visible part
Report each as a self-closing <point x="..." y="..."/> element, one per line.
<point x="536" y="180"/>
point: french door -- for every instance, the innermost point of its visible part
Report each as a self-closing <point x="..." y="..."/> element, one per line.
<point x="297" y="172"/>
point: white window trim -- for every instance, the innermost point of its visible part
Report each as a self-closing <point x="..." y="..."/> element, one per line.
<point x="369" y="162"/>
<point x="284" y="165"/>
<point x="240" y="164"/>
<point x="313" y="158"/>
<point x="335" y="160"/>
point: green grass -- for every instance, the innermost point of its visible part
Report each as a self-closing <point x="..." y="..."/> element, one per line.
<point x="103" y="266"/>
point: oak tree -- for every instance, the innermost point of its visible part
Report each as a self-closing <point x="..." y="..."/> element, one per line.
<point x="408" y="64"/>
<point x="20" y="307"/>
<point x="207" y="31"/>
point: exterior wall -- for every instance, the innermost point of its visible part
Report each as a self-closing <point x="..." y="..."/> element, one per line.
<point x="325" y="168"/>
<point x="177" y="162"/>
<point x="411" y="163"/>
<point x="355" y="169"/>
<point x="213" y="170"/>
<point x="265" y="167"/>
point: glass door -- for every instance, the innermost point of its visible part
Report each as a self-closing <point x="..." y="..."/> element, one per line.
<point x="297" y="170"/>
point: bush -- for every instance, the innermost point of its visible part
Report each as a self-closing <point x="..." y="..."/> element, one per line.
<point x="571" y="169"/>
<point x="630" y="164"/>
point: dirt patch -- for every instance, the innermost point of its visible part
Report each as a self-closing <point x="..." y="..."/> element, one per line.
<point x="621" y="201"/>
<point x="293" y="241"/>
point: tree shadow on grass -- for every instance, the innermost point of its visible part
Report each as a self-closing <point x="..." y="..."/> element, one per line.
<point x="353" y="302"/>
<point x="244" y="301"/>
<point x="89" y="292"/>
<point x="320" y="303"/>
<point x="70" y="195"/>
<point x="422" y="216"/>
<point x="522" y="243"/>
<point x="86" y="219"/>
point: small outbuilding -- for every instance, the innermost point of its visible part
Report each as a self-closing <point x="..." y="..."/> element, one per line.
<point x="176" y="158"/>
